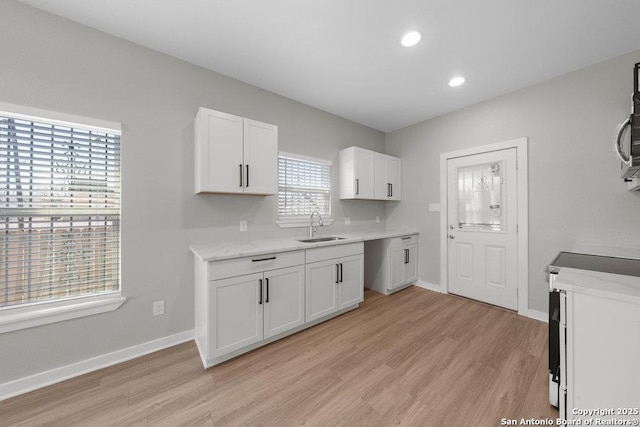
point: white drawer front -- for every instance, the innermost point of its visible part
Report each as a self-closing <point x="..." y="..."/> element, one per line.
<point x="334" y="251"/>
<point x="254" y="264"/>
<point x="404" y="240"/>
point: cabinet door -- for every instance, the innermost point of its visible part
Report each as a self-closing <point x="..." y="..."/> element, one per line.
<point x="283" y="300"/>
<point x="363" y="174"/>
<point x="218" y="152"/>
<point x="394" y="176"/>
<point x="235" y="313"/>
<point x="603" y="374"/>
<point x="260" y="157"/>
<point x="398" y="260"/>
<point x="351" y="281"/>
<point x="411" y="264"/>
<point x="321" y="297"/>
<point x="382" y="188"/>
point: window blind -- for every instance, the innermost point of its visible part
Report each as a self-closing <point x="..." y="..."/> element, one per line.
<point x="59" y="211"/>
<point x="304" y="186"/>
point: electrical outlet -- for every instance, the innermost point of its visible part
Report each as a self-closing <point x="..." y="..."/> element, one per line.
<point x="434" y="207"/>
<point x="158" y="308"/>
<point x="243" y="225"/>
<point x="347" y="220"/>
<point x="377" y="218"/>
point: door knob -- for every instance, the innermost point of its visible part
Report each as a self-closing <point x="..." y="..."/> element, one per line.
<point x="451" y="236"/>
<point x="451" y="227"/>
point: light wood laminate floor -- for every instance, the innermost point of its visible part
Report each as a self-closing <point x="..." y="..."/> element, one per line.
<point x="413" y="358"/>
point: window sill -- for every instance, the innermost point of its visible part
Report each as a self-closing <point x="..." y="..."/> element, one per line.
<point x="16" y="318"/>
<point x="300" y="222"/>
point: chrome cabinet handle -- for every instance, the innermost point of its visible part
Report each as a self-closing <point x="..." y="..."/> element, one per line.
<point x="626" y="159"/>
<point x="240" y="166"/>
<point x="267" y="280"/>
<point x="247" y="175"/>
<point x="260" y="284"/>
<point x="357" y="186"/>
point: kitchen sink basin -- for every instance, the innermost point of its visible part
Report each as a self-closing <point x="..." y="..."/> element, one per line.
<point x="319" y="239"/>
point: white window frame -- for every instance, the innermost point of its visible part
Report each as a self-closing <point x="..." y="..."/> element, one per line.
<point x="28" y="315"/>
<point x="304" y="222"/>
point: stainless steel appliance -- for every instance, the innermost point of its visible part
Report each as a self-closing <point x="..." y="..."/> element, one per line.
<point x="600" y="263"/>
<point x="630" y="159"/>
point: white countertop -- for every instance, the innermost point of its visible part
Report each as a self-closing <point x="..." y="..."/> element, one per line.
<point x="604" y="285"/>
<point x="229" y="250"/>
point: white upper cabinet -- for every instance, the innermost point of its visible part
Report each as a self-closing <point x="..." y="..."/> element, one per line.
<point x="365" y="174"/>
<point x="356" y="173"/>
<point x="387" y="172"/>
<point x="260" y="157"/>
<point x="234" y="154"/>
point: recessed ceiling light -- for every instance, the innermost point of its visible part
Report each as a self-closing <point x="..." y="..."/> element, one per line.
<point x="411" y="38"/>
<point x="456" y="81"/>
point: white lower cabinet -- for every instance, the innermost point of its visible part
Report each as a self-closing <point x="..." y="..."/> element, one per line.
<point x="283" y="301"/>
<point x="334" y="284"/>
<point x="236" y="316"/>
<point x="599" y="359"/>
<point x="392" y="263"/>
<point x="249" y="308"/>
<point x="351" y="284"/>
<point x="243" y="303"/>
<point x="240" y="303"/>
<point x="404" y="268"/>
<point x="322" y="297"/>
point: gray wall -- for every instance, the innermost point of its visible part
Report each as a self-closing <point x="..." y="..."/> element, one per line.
<point x="575" y="194"/>
<point x="55" y="64"/>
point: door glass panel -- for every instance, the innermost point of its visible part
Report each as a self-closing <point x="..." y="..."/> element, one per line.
<point x="480" y="204"/>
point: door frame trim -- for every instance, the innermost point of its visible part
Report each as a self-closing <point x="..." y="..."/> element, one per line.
<point x="522" y="173"/>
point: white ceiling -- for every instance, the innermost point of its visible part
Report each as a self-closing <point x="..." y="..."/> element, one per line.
<point x="344" y="56"/>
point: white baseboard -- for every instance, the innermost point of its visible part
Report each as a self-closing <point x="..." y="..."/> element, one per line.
<point x="427" y="285"/>
<point x="43" y="379"/>
<point x="538" y="315"/>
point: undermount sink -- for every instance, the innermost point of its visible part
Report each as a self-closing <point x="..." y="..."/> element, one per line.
<point x="319" y="239"/>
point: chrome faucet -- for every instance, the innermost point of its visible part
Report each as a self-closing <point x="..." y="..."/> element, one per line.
<point x="311" y="230"/>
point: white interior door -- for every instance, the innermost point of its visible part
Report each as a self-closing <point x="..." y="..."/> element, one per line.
<point x="482" y="227"/>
